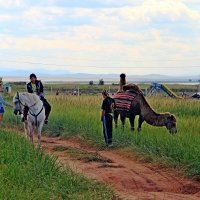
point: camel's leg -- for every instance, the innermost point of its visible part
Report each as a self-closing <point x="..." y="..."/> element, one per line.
<point x="140" y="121"/>
<point x="116" y="115"/>
<point x="132" y="122"/>
<point x="123" y="119"/>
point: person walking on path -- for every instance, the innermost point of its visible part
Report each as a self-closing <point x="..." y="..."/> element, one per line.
<point x="107" y="107"/>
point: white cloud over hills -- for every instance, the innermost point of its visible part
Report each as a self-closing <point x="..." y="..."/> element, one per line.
<point x="140" y="37"/>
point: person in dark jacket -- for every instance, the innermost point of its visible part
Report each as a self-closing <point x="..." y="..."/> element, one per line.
<point x="108" y="106"/>
<point x="122" y="82"/>
<point x="36" y="86"/>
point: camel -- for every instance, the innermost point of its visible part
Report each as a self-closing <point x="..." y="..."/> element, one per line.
<point x="132" y="102"/>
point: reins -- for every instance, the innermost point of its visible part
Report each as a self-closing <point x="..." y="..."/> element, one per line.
<point x="20" y="103"/>
<point x="34" y="115"/>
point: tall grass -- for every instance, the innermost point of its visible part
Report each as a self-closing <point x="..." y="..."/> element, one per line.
<point x="27" y="173"/>
<point x="80" y="116"/>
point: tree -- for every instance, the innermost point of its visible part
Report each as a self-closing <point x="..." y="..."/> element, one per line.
<point x="101" y="82"/>
<point x="91" y="83"/>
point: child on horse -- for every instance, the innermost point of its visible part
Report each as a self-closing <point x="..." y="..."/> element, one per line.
<point x="36" y="86"/>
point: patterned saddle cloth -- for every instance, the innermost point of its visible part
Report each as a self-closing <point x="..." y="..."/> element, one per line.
<point x="123" y="100"/>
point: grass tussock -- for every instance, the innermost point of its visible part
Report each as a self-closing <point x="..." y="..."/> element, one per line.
<point x="27" y="173"/>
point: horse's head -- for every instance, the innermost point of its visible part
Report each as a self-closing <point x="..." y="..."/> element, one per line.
<point x="170" y="123"/>
<point x="17" y="105"/>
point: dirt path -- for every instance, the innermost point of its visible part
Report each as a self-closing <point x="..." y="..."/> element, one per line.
<point x="128" y="178"/>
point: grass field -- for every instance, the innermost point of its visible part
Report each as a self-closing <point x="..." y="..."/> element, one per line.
<point x="27" y="173"/>
<point x="95" y="89"/>
<point x="80" y="116"/>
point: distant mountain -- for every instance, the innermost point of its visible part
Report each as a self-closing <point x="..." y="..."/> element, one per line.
<point x="39" y="72"/>
<point x="66" y="76"/>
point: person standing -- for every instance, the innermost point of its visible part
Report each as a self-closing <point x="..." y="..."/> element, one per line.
<point x="36" y="86"/>
<point x="2" y="104"/>
<point x="107" y="107"/>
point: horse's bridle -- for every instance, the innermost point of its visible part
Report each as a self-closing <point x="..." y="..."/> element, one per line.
<point x="33" y="114"/>
<point x="21" y="104"/>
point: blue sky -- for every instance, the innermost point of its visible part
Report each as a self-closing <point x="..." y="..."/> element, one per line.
<point x="101" y="36"/>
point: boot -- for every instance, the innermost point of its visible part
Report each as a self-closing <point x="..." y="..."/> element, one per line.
<point x="25" y="113"/>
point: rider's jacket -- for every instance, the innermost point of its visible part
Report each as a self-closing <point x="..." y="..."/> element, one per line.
<point x="38" y="87"/>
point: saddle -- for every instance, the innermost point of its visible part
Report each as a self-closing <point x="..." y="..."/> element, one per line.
<point x="123" y="100"/>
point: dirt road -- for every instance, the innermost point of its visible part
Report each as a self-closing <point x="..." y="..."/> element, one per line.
<point x="128" y="178"/>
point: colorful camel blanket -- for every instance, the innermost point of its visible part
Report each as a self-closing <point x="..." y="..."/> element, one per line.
<point x="123" y="100"/>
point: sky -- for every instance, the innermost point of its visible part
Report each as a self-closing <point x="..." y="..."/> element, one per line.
<point x="101" y="36"/>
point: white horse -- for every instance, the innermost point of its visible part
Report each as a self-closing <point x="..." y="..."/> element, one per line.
<point x="36" y="113"/>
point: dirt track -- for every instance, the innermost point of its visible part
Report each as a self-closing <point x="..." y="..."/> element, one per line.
<point x="128" y="178"/>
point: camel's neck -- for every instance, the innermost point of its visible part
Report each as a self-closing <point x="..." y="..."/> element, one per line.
<point x="149" y="115"/>
<point x="121" y="84"/>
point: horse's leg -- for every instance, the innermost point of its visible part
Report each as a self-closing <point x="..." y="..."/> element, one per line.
<point x="116" y="115"/>
<point x="29" y="131"/>
<point x="140" y="121"/>
<point x="40" y="133"/>
<point x="31" y="134"/>
<point x="123" y="119"/>
<point x="132" y="122"/>
<point x="26" y="131"/>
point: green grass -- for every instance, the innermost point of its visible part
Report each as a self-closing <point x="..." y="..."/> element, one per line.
<point x="80" y="116"/>
<point x="95" y="89"/>
<point x="27" y="173"/>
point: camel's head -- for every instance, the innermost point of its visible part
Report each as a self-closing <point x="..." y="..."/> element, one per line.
<point x="170" y="123"/>
<point x="123" y="79"/>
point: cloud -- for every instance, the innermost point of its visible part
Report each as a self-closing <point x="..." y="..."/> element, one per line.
<point x="113" y="32"/>
<point x="6" y="18"/>
<point x="11" y="3"/>
<point x="152" y="9"/>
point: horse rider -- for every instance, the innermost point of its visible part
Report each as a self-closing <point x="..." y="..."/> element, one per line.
<point x="107" y="107"/>
<point x="36" y="86"/>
